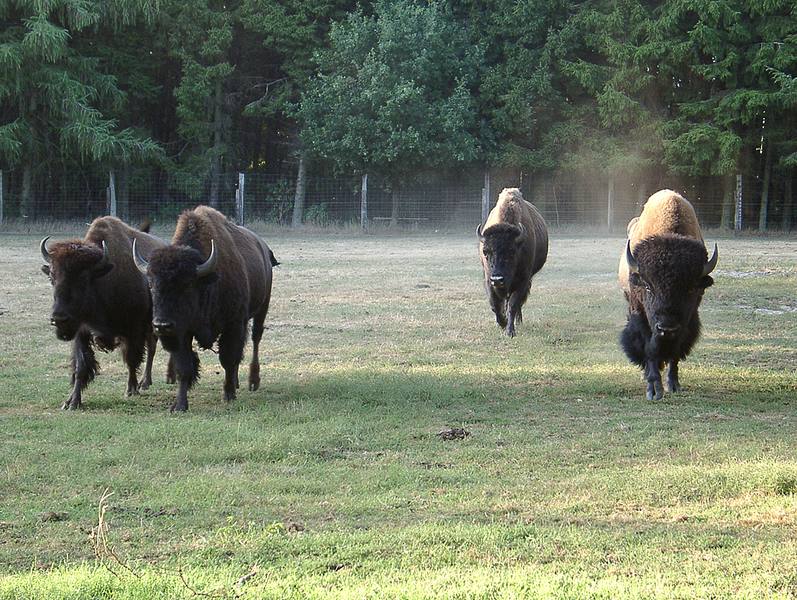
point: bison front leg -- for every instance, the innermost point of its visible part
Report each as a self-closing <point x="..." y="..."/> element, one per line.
<point x="653" y="376"/>
<point x="84" y="368"/>
<point x="186" y="364"/>
<point x="231" y="352"/>
<point x="514" y="306"/>
<point x="498" y="306"/>
<point x="673" y="385"/>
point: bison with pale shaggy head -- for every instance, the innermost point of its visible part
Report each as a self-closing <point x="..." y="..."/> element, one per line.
<point x="513" y="246"/>
<point x="664" y="271"/>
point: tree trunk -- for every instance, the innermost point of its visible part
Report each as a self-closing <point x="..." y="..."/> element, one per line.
<point x="215" y="162"/>
<point x="610" y="204"/>
<point x="764" y="209"/>
<point x="728" y="201"/>
<point x="26" y="197"/>
<point x="788" y="202"/>
<point x="299" y="196"/>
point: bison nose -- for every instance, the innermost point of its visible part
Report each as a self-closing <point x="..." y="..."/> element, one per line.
<point x="666" y="329"/>
<point x="497" y="281"/>
<point x="163" y="326"/>
<point x="58" y="317"/>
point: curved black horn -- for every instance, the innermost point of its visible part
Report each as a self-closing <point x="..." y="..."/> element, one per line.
<point x="712" y="262"/>
<point x="479" y="231"/>
<point x="209" y="266"/>
<point x="140" y="261"/>
<point x="44" y="250"/>
<point x="633" y="265"/>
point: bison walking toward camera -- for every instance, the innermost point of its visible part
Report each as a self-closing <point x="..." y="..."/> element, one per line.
<point x="100" y="299"/>
<point x="513" y="246"/>
<point x="664" y="271"/>
<point x="206" y="285"/>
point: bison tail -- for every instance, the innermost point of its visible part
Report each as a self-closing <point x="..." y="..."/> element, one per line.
<point x="274" y="261"/>
<point x="145" y="225"/>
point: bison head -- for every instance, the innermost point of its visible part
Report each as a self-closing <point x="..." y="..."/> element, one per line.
<point x="669" y="274"/>
<point x="73" y="268"/>
<point x="179" y="279"/>
<point x="500" y="245"/>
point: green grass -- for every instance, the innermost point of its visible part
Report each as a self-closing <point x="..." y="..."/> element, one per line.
<point x="331" y="479"/>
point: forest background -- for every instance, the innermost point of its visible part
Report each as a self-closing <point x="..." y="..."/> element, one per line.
<point x="569" y="100"/>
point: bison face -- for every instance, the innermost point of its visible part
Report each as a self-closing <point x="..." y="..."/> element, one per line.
<point x="669" y="274"/>
<point x="73" y="269"/>
<point x="179" y="279"/>
<point x="500" y="247"/>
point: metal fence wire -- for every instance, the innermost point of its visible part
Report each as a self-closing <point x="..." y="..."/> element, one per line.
<point x="451" y="201"/>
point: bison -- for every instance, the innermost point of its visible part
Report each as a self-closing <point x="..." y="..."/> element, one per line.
<point x="100" y="299"/>
<point x="513" y="246"/>
<point x="664" y="271"/>
<point x="206" y="285"/>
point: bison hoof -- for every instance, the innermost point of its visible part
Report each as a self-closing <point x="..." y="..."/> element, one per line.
<point x="132" y="392"/>
<point x="179" y="407"/>
<point x="71" y="405"/>
<point x="253" y="386"/>
<point x="510" y="331"/>
<point x="229" y="396"/>
<point x="144" y="385"/>
<point x="655" y="391"/>
<point x="673" y="386"/>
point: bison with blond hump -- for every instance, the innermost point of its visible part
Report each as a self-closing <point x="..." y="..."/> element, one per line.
<point x="100" y="299"/>
<point x="513" y="246"/>
<point x="206" y="286"/>
<point x="664" y="271"/>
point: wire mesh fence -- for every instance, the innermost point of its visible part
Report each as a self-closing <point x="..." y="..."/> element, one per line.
<point x="455" y="201"/>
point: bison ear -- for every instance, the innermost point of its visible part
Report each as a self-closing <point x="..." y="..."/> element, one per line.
<point x="46" y="270"/>
<point x="705" y="282"/>
<point x="635" y="279"/>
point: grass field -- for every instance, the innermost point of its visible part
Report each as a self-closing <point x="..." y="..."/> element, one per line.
<point x="331" y="480"/>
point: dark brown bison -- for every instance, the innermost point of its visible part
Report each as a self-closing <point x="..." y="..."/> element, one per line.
<point x="664" y="271"/>
<point x="100" y="299"/>
<point x="513" y="246"/>
<point x="206" y="285"/>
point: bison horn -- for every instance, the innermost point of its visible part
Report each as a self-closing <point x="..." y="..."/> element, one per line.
<point x="140" y="261"/>
<point x="633" y="265"/>
<point x="44" y="250"/>
<point x="479" y="231"/>
<point x="209" y="266"/>
<point x="104" y="258"/>
<point x="712" y="262"/>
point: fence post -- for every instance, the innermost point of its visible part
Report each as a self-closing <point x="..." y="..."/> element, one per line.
<point x="364" y="203"/>
<point x="239" y="199"/>
<point x="486" y="196"/>
<point x="112" y="193"/>
<point x="610" y="205"/>
<point x="1" y="196"/>
<point x="737" y="222"/>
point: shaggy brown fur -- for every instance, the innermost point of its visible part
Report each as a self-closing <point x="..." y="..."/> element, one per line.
<point x="102" y="305"/>
<point x="665" y="289"/>
<point x="665" y="212"/>
<point x="513" y="246"/>
<point x="214" y="307"/>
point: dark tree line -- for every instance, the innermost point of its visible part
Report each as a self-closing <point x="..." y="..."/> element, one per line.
<point x="180" y="92"/>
